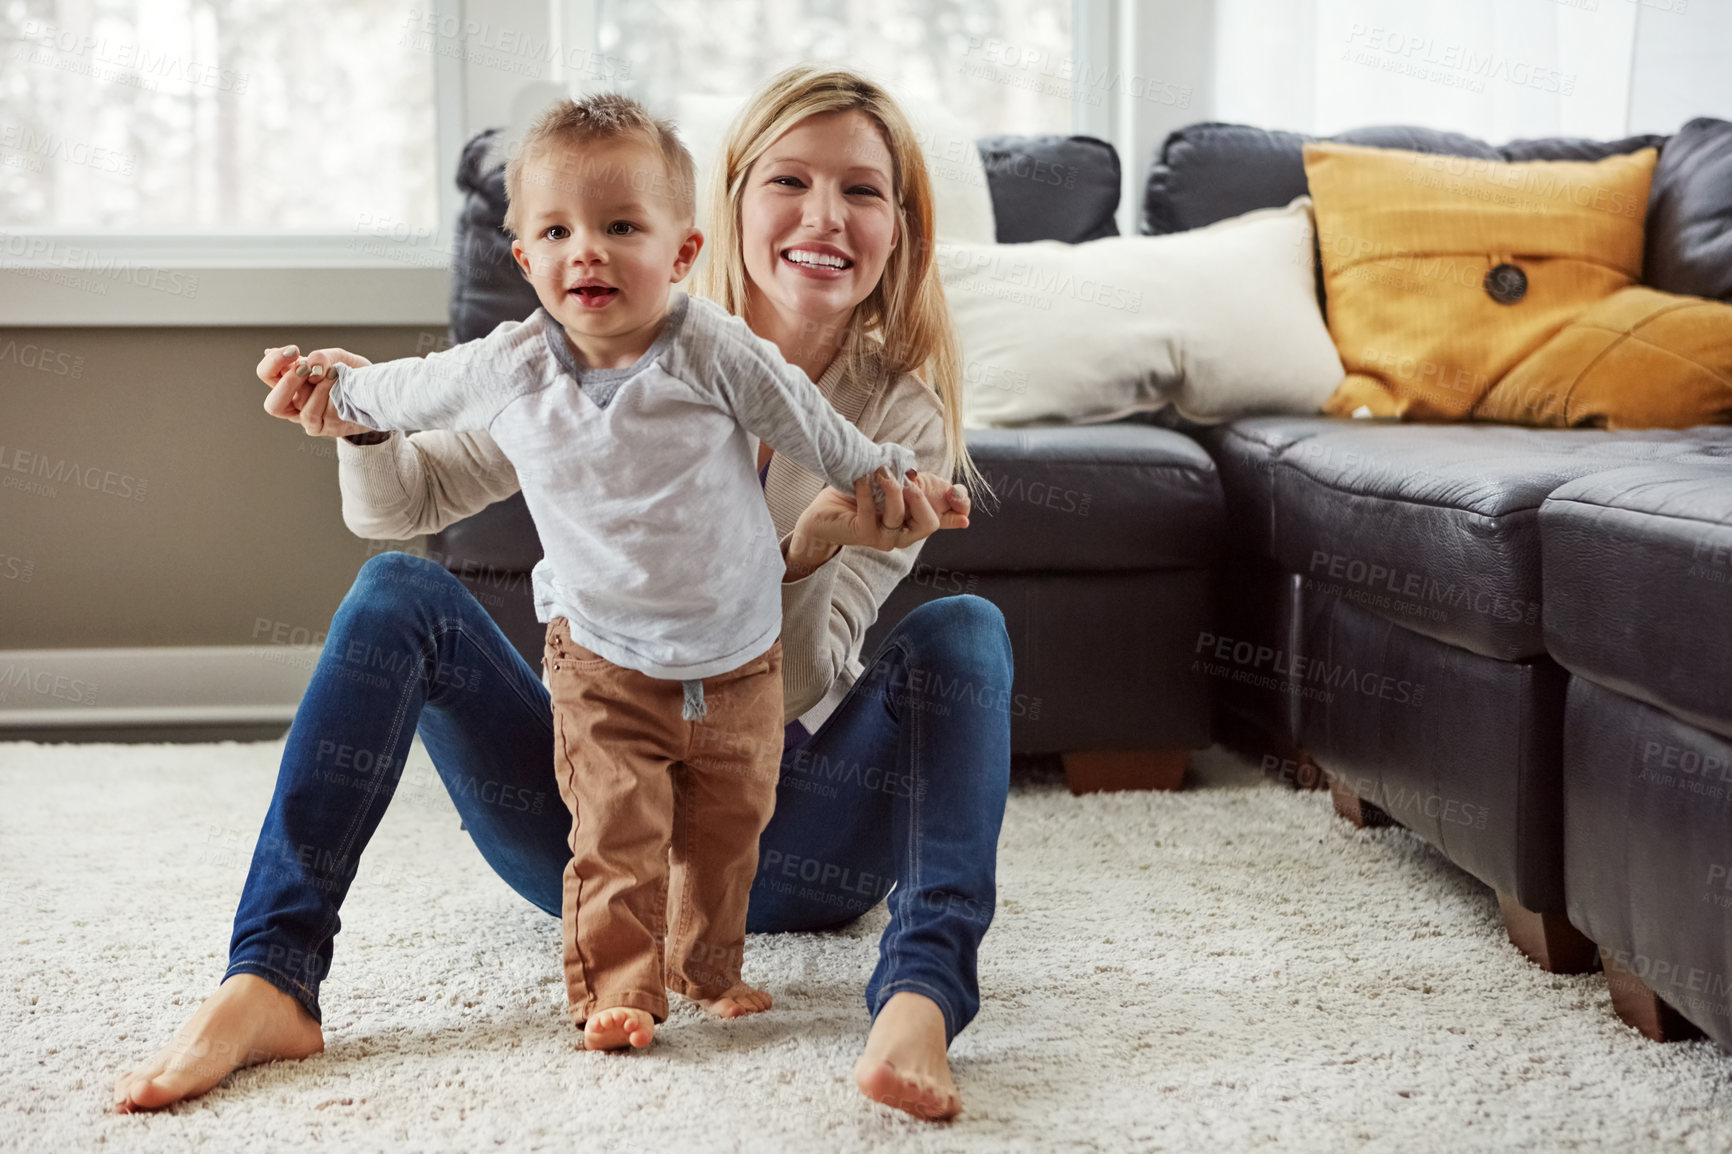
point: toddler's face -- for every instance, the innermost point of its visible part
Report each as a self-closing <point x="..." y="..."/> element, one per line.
<point x="602" y="240"/>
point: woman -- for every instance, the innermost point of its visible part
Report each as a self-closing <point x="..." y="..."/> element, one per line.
<point x="893" y="772"/>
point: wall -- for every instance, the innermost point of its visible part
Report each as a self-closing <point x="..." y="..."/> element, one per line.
<point x="193" y="514"/>
<point x="1683" y="63"/>
<point x="1496" y="69"/>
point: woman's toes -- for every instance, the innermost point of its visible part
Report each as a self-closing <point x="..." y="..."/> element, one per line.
<point x="155" y="1093"/>
<point x="123" y="1092"/>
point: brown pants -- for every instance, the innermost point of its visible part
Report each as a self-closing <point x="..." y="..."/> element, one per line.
<point x="659" y="804"/>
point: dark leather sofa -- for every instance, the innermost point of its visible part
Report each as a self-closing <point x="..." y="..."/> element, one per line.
<point x="1504" y="639"/>
<point x="1487" y="632"/>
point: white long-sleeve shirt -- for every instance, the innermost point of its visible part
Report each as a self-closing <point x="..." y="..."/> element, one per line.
<point x="642" y="481"/>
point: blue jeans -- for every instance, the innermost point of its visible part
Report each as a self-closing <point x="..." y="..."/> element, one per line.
<point x="901" y="790"/>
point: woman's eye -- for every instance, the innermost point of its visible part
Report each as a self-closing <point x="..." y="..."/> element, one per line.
<point x="787" y="181"/>
<point x="864" y="190"/>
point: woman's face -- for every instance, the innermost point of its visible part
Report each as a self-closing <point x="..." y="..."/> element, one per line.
<point x="818" y="220"/>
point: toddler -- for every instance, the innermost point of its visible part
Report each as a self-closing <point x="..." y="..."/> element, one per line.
<point x="630" y="424"/>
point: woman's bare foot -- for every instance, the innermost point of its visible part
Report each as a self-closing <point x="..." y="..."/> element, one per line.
<point x="618" y="1028"/>
<point x="739" y="1001"/>
<point x="247" y="1021"/>
<point x="905" y="1064"/>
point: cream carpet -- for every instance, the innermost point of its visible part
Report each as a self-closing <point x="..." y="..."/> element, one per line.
<point x="1230" y="968"/>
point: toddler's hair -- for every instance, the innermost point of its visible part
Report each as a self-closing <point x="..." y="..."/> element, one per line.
<point x="604" y="116"/>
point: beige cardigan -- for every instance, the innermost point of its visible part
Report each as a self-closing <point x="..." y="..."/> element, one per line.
<point x="407" y="486"/>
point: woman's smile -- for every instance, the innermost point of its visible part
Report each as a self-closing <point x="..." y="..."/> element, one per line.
<point x="821" y="261"/>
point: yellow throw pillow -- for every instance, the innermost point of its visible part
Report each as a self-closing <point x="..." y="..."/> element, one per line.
<point x="1640" y="359"/>
<point x="1443" y="272"/>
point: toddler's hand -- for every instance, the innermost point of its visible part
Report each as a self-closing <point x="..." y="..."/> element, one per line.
<point x="949" y="499"/>
<point x="921" y="498"/>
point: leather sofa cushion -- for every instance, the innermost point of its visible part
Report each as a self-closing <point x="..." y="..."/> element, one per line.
<point x="1638" y="583"/>
<point x="1052" y="187"/>
<point x="1096" y="497"/>
<point x="1436" y="527"/>
<point x="1209" y="172"/>
<point x="1245" y="452"/>
<point x="1690" y="213"/>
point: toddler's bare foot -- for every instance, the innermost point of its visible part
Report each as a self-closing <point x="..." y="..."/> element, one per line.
<point x="618" y="1028"/>
<point x="245" y="1022"/>
<point x="905" y="1064"/>
<point x="739" y="1001"/>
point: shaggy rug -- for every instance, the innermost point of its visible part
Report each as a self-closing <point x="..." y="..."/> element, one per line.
<point x="1227" y="968"/>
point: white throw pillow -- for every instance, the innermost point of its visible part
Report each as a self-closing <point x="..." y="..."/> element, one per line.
<point x="1220" y="321"/>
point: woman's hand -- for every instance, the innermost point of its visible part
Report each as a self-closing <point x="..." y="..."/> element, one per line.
<point x="301" y="389"/>
<point x="913" y="511"/>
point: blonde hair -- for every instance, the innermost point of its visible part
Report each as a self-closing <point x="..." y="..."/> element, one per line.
<point x="604" y="116"/>
<point x="904" y="320"/>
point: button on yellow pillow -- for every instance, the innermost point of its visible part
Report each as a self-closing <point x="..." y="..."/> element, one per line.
<point x="1443" y="272"/>
<point x="1640" y="359"/>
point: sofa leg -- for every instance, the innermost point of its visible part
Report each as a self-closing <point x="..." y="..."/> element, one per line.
<point x="1549" y="940"/>
<point x="1307" y="774"/>
<point x="1361" y="814"/>
<point x="1293" y="767"/>
<point x="1642" y="1009"/>
<point x="1102" y="770"/>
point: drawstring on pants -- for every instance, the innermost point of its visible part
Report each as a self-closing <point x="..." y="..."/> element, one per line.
<point x="694" y="707"/>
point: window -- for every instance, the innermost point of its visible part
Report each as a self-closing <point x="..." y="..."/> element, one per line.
<point x="225" y="116"/>
<point x="295" y="158"/>
<point x="990" y="65"/>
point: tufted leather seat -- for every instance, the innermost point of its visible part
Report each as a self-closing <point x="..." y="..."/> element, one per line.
<point x="1638" y="578"/>
<point x="1437" y="527"/>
